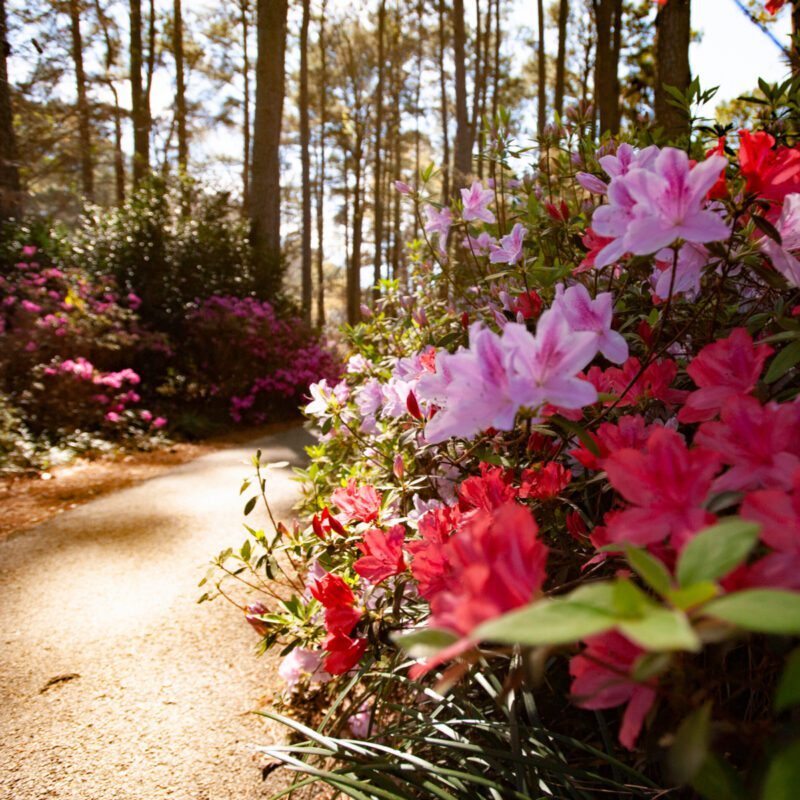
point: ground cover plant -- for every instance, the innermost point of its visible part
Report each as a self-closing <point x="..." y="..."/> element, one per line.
<point x="550" y="535"/>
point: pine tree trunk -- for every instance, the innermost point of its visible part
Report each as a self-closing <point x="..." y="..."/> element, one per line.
<point x="265" y="200"/>
<point x="444" y="103"/>
<point x="354" y="273"/>
<point x="541" y="105"/>
<point x="180" y="90"/>
<point x="323" y="108"/>
<point x="561" y="58"/>
<point x="139" y="113"/>
<point x="673" y="34"/>
<point x="119" y="156"/>
<point x="378" y="169"/>
<point x="305" y="168"/>
<point x="794" y="55"/>
<point x="84" y="121"/>
<point x="606" y="81"/>
<point x="10" y="188"/>
<point x="244" y="5"/>
<point x="497" y="41"/>
<point x="462" y="151"/>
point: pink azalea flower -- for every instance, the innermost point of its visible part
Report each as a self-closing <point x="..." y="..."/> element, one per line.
<point x="669" y="202"/>
<point x="439" y="222"/>
<point x="402" y="187"/>
<point x="592" y="183"/>
<point x="666" y="485"/>
<point x="476" y="199"/>
<point x="301" y="663"/>
<point x="471" y="387"/>
<point x="357" y="503"/>
<point x="159" y="422"/>
<point x="112" y="416"/>
<point x="584" y="314"/>
<point x="543" y="368"/>
<point x="783" y="255"/>
<point x="692" y="258"/>
<point x="627" y="158"/>
<point x="601" y="678"/>
<point x="509" y="251"/>
<point x="723" y="369"/>
<point x="29" y="250"/>
<point x="761" y="444"/>
<point x="383" y="554"/>
<point x="480" y="245"/>
<point x="497" y="563"/>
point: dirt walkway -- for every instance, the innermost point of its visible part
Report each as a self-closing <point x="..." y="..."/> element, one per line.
<point x="159" y="707"/>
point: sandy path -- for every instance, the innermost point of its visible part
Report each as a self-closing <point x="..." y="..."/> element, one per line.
<point x="108" y="592"/>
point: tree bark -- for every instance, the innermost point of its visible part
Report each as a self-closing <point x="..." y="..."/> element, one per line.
<point x="606" y="80"/>
<point x="265" y="212"/>
<point x="794" y="53"/>
<point x="541" y="105"/>
<point x="244" y="6"/>
<point x="497" y="41"/>
<point x="561" y="58"/>
<point x="84" y="121"/>
<point x="323" y="109"/>
<point x="378" y="169"/>
<point x="673" y="34"/>
<point x="140" y="114"/>
<point x="180" y="90"/>
<point x="462" y="151"/>
<point x="10" y="188"/>
<point x="110" y="60"/>
<point x="305" y="167"/>
<point x="444" y="104"/>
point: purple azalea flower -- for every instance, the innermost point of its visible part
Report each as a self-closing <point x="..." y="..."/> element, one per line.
<point x="584" y="314"/>
<point x="509" y="251"/>
<point x="692" y="258"/>
<point x="782" y="255"/>
<point x="543" y="369"/>
<point x="476" y="199"/>
<point x="439" y="222"/>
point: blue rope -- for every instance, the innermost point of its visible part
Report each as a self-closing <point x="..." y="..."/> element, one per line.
<point x="761" y="26"/>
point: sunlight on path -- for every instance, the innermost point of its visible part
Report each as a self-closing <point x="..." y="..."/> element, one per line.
<point x="150" y="693"/>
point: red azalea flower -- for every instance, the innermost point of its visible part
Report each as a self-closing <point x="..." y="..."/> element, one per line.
<point x="630" y="431"/>
<point x="576" y="527"/>
<point x="343" y="653"/>
<point x="489" y="490"/>
<point x="720" y="189"/>
<point x="774" y="6"/>
<point x="723" y="369"/>
<point x="497" y="563"/>
<point x="666" y="485"/>
<point x="544" y="483"/>
<point x="770" y="173"/>
<point x="654" y="383"/>
<point x="430" y="566"/>
<point x="601" y="679"/>
<point x="339" y="602"/>
<point x="359" y="503"/>
<point x="383" y="554"/>
<point x="778" y="513"/>
<point x="529" y="304"/>
<point x="324" y="523"/>
<point x="761" y="444"/>
<point x="594" y="243"/>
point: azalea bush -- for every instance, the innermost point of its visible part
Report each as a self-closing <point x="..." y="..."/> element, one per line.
<point x="551" y="538"/>
<point x="66" y="345"/>
<point x="240" y="355"/>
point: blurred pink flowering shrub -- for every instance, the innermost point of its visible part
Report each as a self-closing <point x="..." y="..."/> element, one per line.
<point x="238" y="353"/>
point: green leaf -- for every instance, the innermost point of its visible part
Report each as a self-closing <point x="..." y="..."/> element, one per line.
<point x="788" y="691"/>
<point x="250" y="505"/>
<point x="767" y="228"/>
<point x="783" y="775"/>
<point x="426" y="642"/>
<point x="717" y="780"/>
<point x="547" y="622"/>
<point x="717" y="550"/>
<point x="690" y="748"/>
<point x="661" y="629"/>
<point x="649" y="569"/>
<point x="761" y="610"/>
<point x="783" y="362"/>
<point x="695" y="595"/>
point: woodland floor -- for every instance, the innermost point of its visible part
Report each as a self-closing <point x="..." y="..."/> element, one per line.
<point x="114" y="682"/>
